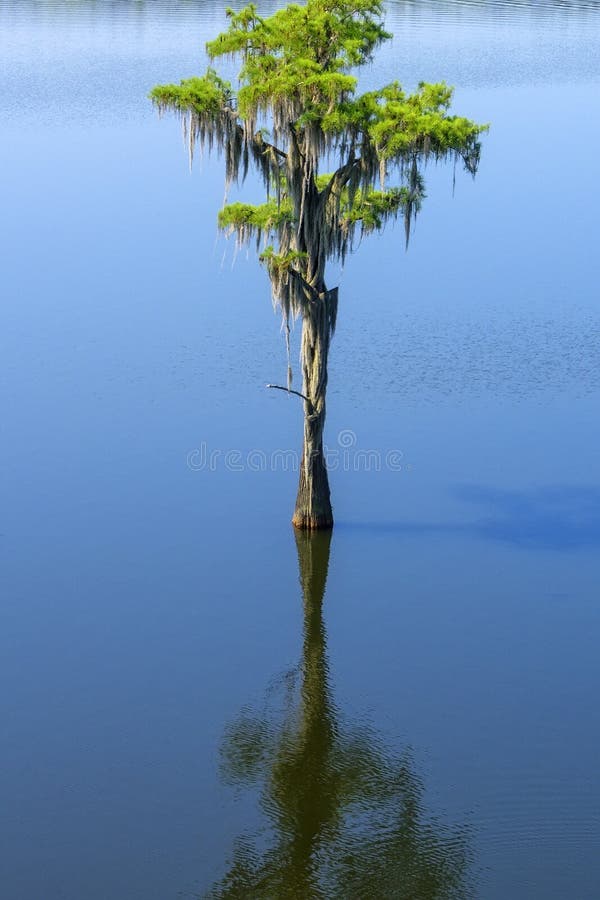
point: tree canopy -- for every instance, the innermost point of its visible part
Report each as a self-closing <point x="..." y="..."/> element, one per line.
<point x="335" y="163"/>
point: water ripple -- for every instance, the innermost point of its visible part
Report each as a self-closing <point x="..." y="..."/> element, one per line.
<point x="87" y="48"/>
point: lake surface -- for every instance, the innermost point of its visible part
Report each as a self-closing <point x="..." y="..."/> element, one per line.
<point x="193" y="700"/>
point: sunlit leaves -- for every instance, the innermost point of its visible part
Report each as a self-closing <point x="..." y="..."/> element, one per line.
<point x="208" y="95"/>
<point x="296" y="109"/>
<point x="264" y="217"/>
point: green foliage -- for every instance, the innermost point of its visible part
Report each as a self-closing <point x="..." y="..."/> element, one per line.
<point x="295" y="62"/>
<point x="281" y="261"/>
<point x="371" y="208"/>
<point x="207" y="94"/>
<point x="265" y="217"/>
<point x="335" y="34"/>
<point x="374" y="208"/>
<point x="403" y="125"/>
<point x="296" y="107"/>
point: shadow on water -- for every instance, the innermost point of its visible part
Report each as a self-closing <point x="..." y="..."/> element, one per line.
<point x="343" y="815"/>
<point x="551" y="518"/>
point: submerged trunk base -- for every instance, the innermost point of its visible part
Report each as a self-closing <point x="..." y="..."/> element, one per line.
<point x="313" y="507"/>
<point x="307" y="522"/>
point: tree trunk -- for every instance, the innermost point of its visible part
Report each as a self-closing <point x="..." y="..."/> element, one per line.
<point x="313" y="505"/>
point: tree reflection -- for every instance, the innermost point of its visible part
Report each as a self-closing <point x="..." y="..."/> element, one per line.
<point x="344" y="815"/>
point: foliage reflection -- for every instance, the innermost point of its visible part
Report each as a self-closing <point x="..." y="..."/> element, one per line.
<point x="344" y="816"/>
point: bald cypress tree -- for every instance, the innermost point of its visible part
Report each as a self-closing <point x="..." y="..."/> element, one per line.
<point x="336" y="164"/>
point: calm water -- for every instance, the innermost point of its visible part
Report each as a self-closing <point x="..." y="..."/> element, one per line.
<point x="192" y="701"/>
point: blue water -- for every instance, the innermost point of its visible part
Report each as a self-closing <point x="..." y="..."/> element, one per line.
<point x="147" y="600"/>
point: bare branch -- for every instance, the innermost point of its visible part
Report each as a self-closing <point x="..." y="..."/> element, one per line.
<point x="340" y="178"/>
<point x="260" y="143"/>
<point x="295" y="141"/>
<point x="279" y="387"/>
